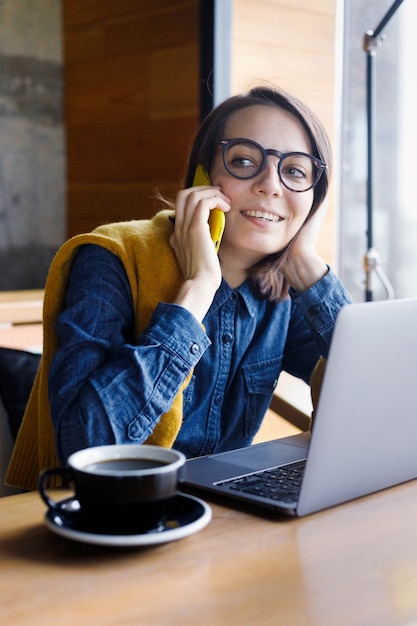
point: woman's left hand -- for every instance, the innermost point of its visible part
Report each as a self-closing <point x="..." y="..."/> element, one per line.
<point x="304" y="266"/>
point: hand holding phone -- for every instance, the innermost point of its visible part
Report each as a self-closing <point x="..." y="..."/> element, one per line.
<point x="216" y="219"/>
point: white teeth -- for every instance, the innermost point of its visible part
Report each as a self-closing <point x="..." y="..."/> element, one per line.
<point x="265" y="216"/>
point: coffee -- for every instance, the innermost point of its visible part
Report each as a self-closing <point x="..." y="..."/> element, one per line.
<point x="123" y="465"/>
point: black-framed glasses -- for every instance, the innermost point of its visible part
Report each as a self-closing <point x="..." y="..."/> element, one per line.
<point x="297" y="171"/>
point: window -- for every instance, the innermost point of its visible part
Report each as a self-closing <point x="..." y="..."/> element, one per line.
<point x="394" y="151"/>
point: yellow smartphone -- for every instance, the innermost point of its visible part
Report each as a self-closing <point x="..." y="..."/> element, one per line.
<point x="216" y="219"/>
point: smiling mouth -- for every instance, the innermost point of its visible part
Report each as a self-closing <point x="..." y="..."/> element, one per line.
<point x="269" y="217"/>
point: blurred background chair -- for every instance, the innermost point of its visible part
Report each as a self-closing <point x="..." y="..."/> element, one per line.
<point x="20" y="346"/>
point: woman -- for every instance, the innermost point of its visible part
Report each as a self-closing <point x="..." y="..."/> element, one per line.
<point x="151" y="336"/>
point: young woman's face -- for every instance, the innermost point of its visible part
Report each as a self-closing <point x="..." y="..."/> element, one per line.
<point x="264" y="215"/>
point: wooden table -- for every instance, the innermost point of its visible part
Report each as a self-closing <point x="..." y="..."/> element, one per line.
<point x="352" y="565"/>
<point x="20" y="307"/>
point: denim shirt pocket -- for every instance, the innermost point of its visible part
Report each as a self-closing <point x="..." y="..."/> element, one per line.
<point x="260" y="380"/>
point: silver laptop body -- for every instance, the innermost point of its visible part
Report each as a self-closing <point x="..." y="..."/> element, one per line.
<point x="364" y="437"/>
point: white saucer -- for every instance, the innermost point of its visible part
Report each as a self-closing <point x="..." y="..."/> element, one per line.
<point x="188" y="515"/>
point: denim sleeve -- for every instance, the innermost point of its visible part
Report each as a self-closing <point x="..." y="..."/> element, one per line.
<point x="105" y="385"/>
<point x="312" y="324"/>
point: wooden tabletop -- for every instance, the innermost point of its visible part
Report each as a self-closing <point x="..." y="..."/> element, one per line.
<point x="352" y="565"/>
<point x="21" y="306"/>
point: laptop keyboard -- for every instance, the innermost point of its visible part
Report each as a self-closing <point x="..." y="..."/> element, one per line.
<point x="277" y="483"/>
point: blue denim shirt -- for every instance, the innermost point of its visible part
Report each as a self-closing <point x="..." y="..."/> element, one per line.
<point x="108" y="386"/>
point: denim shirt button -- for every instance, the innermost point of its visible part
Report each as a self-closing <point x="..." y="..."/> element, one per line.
<point x="227" y="338"/>
<point x="194" y="348"/>
<point x="218" y="400"/>
<point x="315" y="309"/>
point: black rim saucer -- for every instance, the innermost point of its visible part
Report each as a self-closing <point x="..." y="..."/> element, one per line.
<point x="185" y="512"/>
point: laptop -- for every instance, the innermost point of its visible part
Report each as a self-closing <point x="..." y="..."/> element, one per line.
<point x="364" y="437"/>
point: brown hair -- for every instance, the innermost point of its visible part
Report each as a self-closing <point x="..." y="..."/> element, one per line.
<point x="267" y="280"/>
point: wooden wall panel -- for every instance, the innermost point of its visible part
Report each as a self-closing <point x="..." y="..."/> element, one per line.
<point x="132" y="104"/>
<point x="290" y="44"/>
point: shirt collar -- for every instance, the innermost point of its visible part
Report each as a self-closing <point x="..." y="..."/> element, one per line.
<point x="225" y="292"/>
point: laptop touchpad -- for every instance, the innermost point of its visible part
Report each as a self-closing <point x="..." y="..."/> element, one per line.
<point x="262" y="456"/>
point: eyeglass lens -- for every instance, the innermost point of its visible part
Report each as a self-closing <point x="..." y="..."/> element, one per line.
<point x="297" y="172"/>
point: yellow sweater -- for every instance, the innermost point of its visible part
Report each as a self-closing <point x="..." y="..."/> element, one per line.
<point x="154" y="276"/>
